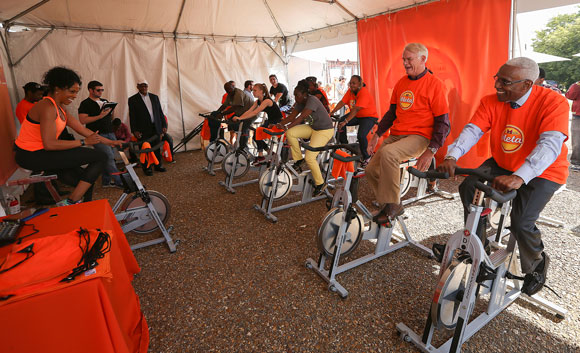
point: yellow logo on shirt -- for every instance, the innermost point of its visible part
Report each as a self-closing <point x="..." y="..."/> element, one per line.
<point x="512" y="139"/>
<point x="406" y="100"/>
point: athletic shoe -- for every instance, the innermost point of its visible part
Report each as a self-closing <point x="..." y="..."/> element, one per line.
<point x="534" y="281"/>
<point x="319" y="189"/>
<point x="67" y="202"/>
<point x="575" y="167"/>
<point x="258" y="161"/>
<point x="297" y="166"/>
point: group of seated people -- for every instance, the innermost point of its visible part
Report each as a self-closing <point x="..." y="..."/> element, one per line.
<point x="528" y="124"/>
<point x="44" y="143"/>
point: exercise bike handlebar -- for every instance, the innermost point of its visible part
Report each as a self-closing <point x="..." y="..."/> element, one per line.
<point x="497" y="196"/>
<point x="346" y="159"/>
<point x="351" y="147"/>
<point x="430" y="174"/>
<point x="274" y="133"/>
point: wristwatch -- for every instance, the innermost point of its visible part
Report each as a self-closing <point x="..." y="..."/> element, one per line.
<point x="433" y="149"/>
<point x="82" y="142"/>
<point x="450" y="158"/>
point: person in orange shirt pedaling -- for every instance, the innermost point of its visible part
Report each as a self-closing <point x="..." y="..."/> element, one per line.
<point x="528" y="126"/>
<point x="32" y="94"/>
<point x="419" y="121"/>
<point x="363" y="112"/>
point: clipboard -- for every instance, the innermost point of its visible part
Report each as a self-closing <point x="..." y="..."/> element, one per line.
<point x="107" y="105"/>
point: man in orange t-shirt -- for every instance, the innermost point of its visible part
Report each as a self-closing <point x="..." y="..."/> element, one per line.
<point x="419" y="121"/>
<point x="363" y="112"/>
<point x="32" y="94"/>
<point x="528" y="126"/>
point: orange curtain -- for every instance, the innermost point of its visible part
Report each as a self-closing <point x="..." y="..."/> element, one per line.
<point x="7" y="131"/>
<point x="468" y="40"/>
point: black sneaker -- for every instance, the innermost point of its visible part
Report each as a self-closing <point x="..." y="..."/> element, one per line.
<point x="533" y="282"/>
<point x="297" y="166"/>
<point x="319" y="189"/>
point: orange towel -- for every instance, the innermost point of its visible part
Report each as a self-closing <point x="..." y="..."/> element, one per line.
<point x="150" y="157"/>
<point x="339" y="168"/>
<point x="167" y="156"/>
<point x="261" y="135"/>
<point x="205" y="132"/>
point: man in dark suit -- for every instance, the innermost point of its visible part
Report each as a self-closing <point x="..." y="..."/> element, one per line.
<point x="147" y="120"/>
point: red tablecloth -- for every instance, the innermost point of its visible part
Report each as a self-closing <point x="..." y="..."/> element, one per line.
<point x="100" y="315"/>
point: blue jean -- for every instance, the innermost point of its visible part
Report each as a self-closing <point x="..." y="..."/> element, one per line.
<point x="110" y="166"/>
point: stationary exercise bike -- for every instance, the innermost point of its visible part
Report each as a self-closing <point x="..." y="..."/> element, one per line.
<point x="239" y="161"/>
<point x="468" y="272"/>
<point x="347" y="223"/>
<point x="217" y="149"/>
<point x="278" y="180"/>
<point x="139" y="210"/>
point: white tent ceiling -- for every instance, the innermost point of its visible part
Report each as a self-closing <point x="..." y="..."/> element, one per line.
<point x="218" y="40"/>
<point x="241" y="18"/>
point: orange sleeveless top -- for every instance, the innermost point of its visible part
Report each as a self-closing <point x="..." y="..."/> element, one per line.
<point x="30" y="139"/>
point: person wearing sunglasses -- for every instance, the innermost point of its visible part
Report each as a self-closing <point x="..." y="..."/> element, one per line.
<point x="97" y="119"/>
<point x="528" y="126"/>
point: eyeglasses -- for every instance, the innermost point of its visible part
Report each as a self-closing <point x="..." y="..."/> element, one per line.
<point x="505" y="82"/>
<point x="100" y="90"/>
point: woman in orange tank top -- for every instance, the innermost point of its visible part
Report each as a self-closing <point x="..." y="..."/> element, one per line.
<point x="39" y="149"/>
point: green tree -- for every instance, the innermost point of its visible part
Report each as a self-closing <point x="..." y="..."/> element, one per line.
<point x="562" y="38"/>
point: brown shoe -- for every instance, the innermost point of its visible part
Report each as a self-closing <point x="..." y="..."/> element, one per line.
<point x="389" y="212"/>
<point x="396" y="210"/>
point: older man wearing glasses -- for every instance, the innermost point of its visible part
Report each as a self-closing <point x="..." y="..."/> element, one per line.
<point x="528" y="125"/>
<point x="101" y="120"/>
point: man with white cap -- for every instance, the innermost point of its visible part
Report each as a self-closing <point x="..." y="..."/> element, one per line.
<point x="147" y="120"/>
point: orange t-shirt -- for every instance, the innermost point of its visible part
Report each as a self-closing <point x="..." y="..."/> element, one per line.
<point x="362" y="99"/>
<point x="224" y="97"/>
<point x="418" y="102"/>
<point x="30" y="138"/>
<point x="515" y="132"/>
<point x="22" y="110"/>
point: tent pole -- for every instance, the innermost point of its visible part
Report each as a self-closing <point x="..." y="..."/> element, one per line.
<point x="8" y="22"/>
<point x="274" y="50"/>
<point x="179" y="87"/>
<point x="179" y="71"/>
<point x="10" y="64"/>
<point x="513" y="28"/>
<point x="34" y="46"/>
<point x="274" y="18"/>
<point x="345" y="9"/>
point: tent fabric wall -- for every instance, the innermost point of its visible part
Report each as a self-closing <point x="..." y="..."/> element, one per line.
<point x="7" y="128"/>
<point x="119" y="60"/>
<point x="467" y="42"/>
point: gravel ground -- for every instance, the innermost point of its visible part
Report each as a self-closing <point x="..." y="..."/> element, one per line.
<point x="238" y="283"/>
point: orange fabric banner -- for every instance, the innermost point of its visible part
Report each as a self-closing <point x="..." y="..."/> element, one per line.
<point x="7" y="131"/>
<point x="468" y="40"/>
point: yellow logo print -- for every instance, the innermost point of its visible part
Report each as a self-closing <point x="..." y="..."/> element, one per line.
<point x="406" y="100"/>
<point x="512" y="139"/>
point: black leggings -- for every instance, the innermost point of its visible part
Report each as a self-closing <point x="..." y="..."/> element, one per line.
<point x="365" y="125"/>
<point x="67" y="164"/>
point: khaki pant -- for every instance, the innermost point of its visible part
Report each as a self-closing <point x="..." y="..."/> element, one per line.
<point x="383" y="171"/>
<point x="318" y="138"/>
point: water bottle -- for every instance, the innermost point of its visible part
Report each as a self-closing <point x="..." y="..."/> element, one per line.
<point x="13" y="204"/>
